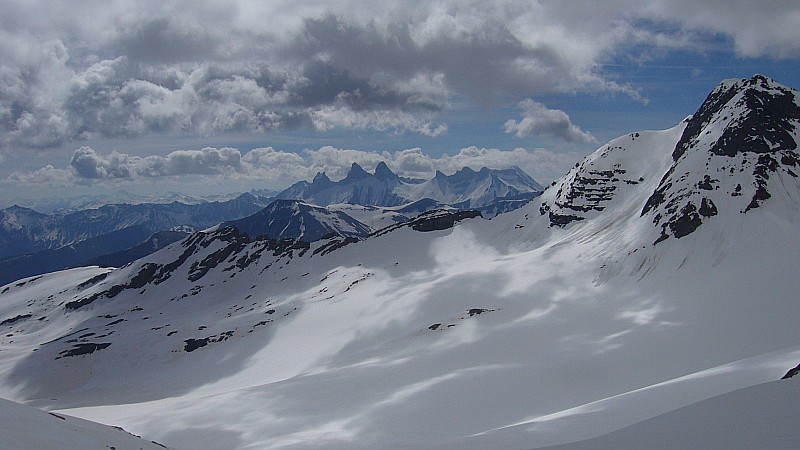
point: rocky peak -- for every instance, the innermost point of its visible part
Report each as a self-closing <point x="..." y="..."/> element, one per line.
<point x="742" y="135"/>
<point x="356" y="173"/>
<point x="383" y="172"/>
<point x="757" y="115"/>
<point x="321" y="178"/>
<point x="467" y="171"/>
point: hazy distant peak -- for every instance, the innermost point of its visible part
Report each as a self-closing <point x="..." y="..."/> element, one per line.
<point x="383" y="172"/>
<point x="356" y="173"/>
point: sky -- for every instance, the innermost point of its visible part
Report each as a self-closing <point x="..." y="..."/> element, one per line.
<point x="124" y="99"/>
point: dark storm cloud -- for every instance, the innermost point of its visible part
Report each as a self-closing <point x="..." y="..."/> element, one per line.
<point x="160" y="40"/>
<point x="125" y="98"/>
<point x="71" y="71"/>
<point x="324" y="83"/>
<point x="481" y="62"/>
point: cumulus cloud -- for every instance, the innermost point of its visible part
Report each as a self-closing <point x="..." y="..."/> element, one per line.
<point x="87" y="163"/>
<point x="46" y="175"/>
<point x="539" y="120"/>
<point x="771" y="29"/>
<point x="268" y="166"/>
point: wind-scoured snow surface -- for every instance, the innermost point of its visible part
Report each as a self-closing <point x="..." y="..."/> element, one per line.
<point x="565" y="320"/>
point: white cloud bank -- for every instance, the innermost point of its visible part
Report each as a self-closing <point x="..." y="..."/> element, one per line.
<point x="270" y="167"/>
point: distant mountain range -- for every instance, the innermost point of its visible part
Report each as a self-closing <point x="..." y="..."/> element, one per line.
<point x="464" y="189"/>
<point x="24" y="230"/>
<point x="32" y="243"/>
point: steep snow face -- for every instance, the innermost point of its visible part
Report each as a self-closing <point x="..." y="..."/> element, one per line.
<point x="736" y="154"/>
<point x="519" y="331"/>
<point x="738" y="151"/>
<point x="465" y="188"/>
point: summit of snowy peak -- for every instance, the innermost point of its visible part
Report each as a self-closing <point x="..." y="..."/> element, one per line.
<point x="736" y="152"/>
<point x="516" y="176"/>
<point x="755" y="114"/>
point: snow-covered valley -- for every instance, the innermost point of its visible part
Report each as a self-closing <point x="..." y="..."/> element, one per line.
<point x="645" y="280"/>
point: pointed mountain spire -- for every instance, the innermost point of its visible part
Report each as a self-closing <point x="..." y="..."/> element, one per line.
<point x="356" y="173"/>
<point x="383" y="172"/>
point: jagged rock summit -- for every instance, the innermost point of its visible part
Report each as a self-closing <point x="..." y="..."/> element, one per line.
<point x="464" y="189"/>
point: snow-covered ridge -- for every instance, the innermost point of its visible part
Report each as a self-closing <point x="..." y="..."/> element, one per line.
<point x="291" y="219"/>
<point x="617" y="171"/>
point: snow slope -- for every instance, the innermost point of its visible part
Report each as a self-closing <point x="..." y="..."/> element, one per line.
<point x="561" y="321"/>
<point x="26" y="428"/>
<point x="761" y="416"/>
